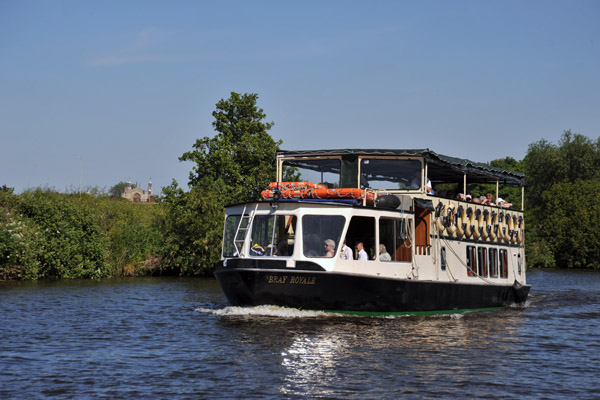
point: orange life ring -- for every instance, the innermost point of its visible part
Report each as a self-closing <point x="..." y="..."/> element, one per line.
<point x="342" y="193"/>
<point x="295" y="186"/>
<point x="283" y="194"/>
<point x="310" y="190"/>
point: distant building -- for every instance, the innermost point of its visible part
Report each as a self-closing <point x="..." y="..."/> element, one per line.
<point x="137" y="194"/>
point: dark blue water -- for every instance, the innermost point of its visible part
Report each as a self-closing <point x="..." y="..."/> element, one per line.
<point x="177" y="339"/>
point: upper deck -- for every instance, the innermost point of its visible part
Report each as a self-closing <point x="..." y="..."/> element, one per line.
<point x="391" y="171"/>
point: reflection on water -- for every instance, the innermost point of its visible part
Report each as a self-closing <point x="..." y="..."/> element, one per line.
<point x="319" y="353"/>
<point x="177" y="338"/>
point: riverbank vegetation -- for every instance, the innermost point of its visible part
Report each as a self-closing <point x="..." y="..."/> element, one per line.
<point x="48" y="234"/>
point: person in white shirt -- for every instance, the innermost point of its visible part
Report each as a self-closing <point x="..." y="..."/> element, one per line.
<point x="362" y="254"/>
<point x="346" y="253"/>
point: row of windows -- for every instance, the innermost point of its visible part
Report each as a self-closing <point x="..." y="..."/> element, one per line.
<point x="483" y="261"/>
<point x="374" y="173"/>
<point x="275" y="235"/>
<point x="487" y="262"/>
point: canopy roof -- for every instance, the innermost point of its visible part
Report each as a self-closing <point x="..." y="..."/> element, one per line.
<point x="441" y="168"/>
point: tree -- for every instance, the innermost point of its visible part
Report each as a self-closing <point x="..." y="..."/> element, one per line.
<point x="562" y="202"/>
<point x="233" y="166"/>
<point x="118" y="189"/>
<point x="239" y="161"/>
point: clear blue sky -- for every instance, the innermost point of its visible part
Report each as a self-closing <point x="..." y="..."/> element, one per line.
<point x="130" y="85"/>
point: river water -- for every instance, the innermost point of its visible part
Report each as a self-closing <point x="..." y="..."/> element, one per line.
<point x="175" y="338"/>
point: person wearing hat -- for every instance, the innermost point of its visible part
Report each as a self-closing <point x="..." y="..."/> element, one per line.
<point x="257" y="250"/>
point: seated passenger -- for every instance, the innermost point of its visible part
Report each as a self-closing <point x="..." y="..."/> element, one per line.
<point x="460" y="197"/>
<point x="490" y="200"/>
<point x="329" y="248"/>
<point x="416" y="183"/>
<point x="429" y="188"/>
<point x="383" y="254"/>
<point x="502" y="203"/>
<point x="257" y="250"/>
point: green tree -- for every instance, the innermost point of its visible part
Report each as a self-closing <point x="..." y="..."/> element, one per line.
<point x="239" y="161"/>
<point x="233" y="166"/>
<point x="561" y="200"/>
<point x="509" y="193"/>
<point x="118" y="189"/>
<point x="572" y="222"/>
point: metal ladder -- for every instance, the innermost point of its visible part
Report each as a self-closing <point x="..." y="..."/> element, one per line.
<point x="242" y="230"/>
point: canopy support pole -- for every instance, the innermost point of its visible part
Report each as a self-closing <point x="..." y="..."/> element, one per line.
<point x="497" y="190"/>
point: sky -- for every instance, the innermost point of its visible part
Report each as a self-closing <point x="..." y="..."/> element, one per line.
<point x="94" y="93"/>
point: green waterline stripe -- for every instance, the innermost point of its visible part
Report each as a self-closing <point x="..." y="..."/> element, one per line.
<point x="400" y="313"/>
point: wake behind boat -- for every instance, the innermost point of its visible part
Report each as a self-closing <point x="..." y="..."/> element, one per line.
<point x="406" y="249"/>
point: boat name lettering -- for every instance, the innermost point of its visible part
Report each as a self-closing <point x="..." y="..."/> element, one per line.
<point x="294" y="280"/>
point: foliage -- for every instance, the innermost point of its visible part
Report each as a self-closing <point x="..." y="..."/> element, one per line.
<point x="118" y="189"/>
<point x="233" y="166"/>
<point x="194" y="227"/>
<point x="562" y="202"/>
<point x="49" y="234"/>
<point x="508" y="193"/>
<point x="239" y="162"/>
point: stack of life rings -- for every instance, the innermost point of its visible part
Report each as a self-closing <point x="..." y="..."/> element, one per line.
<point x="310" y="190"/>
<point x="479" y="224"/>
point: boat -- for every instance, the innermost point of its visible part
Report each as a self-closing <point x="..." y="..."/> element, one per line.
<point x="363" y="232"/>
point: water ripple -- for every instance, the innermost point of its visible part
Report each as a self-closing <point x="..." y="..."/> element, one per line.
<point x="178" y="339"/>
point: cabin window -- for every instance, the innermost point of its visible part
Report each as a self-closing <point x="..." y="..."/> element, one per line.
<point x="394" y="234"/>
<point x="519" y="264"/>
<point x="390" y="174"/>
<point x="443" y="258"/>
<point x="493" y="262"/>
<point x="229" y="236"/>
<point x="482" y="261"/>
<point x="273" y="235"/>
<point x="323" y="171"/>
<point x="503" y="263"/>
<point x="471" y="261"/>
<point x="362" y="230"/>
<point x="319" y="229"/>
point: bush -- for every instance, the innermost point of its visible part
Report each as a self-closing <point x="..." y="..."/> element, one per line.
<point x="48" y="234"/>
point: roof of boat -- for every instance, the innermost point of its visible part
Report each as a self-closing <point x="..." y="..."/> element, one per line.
<point x="443" y="166"/>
